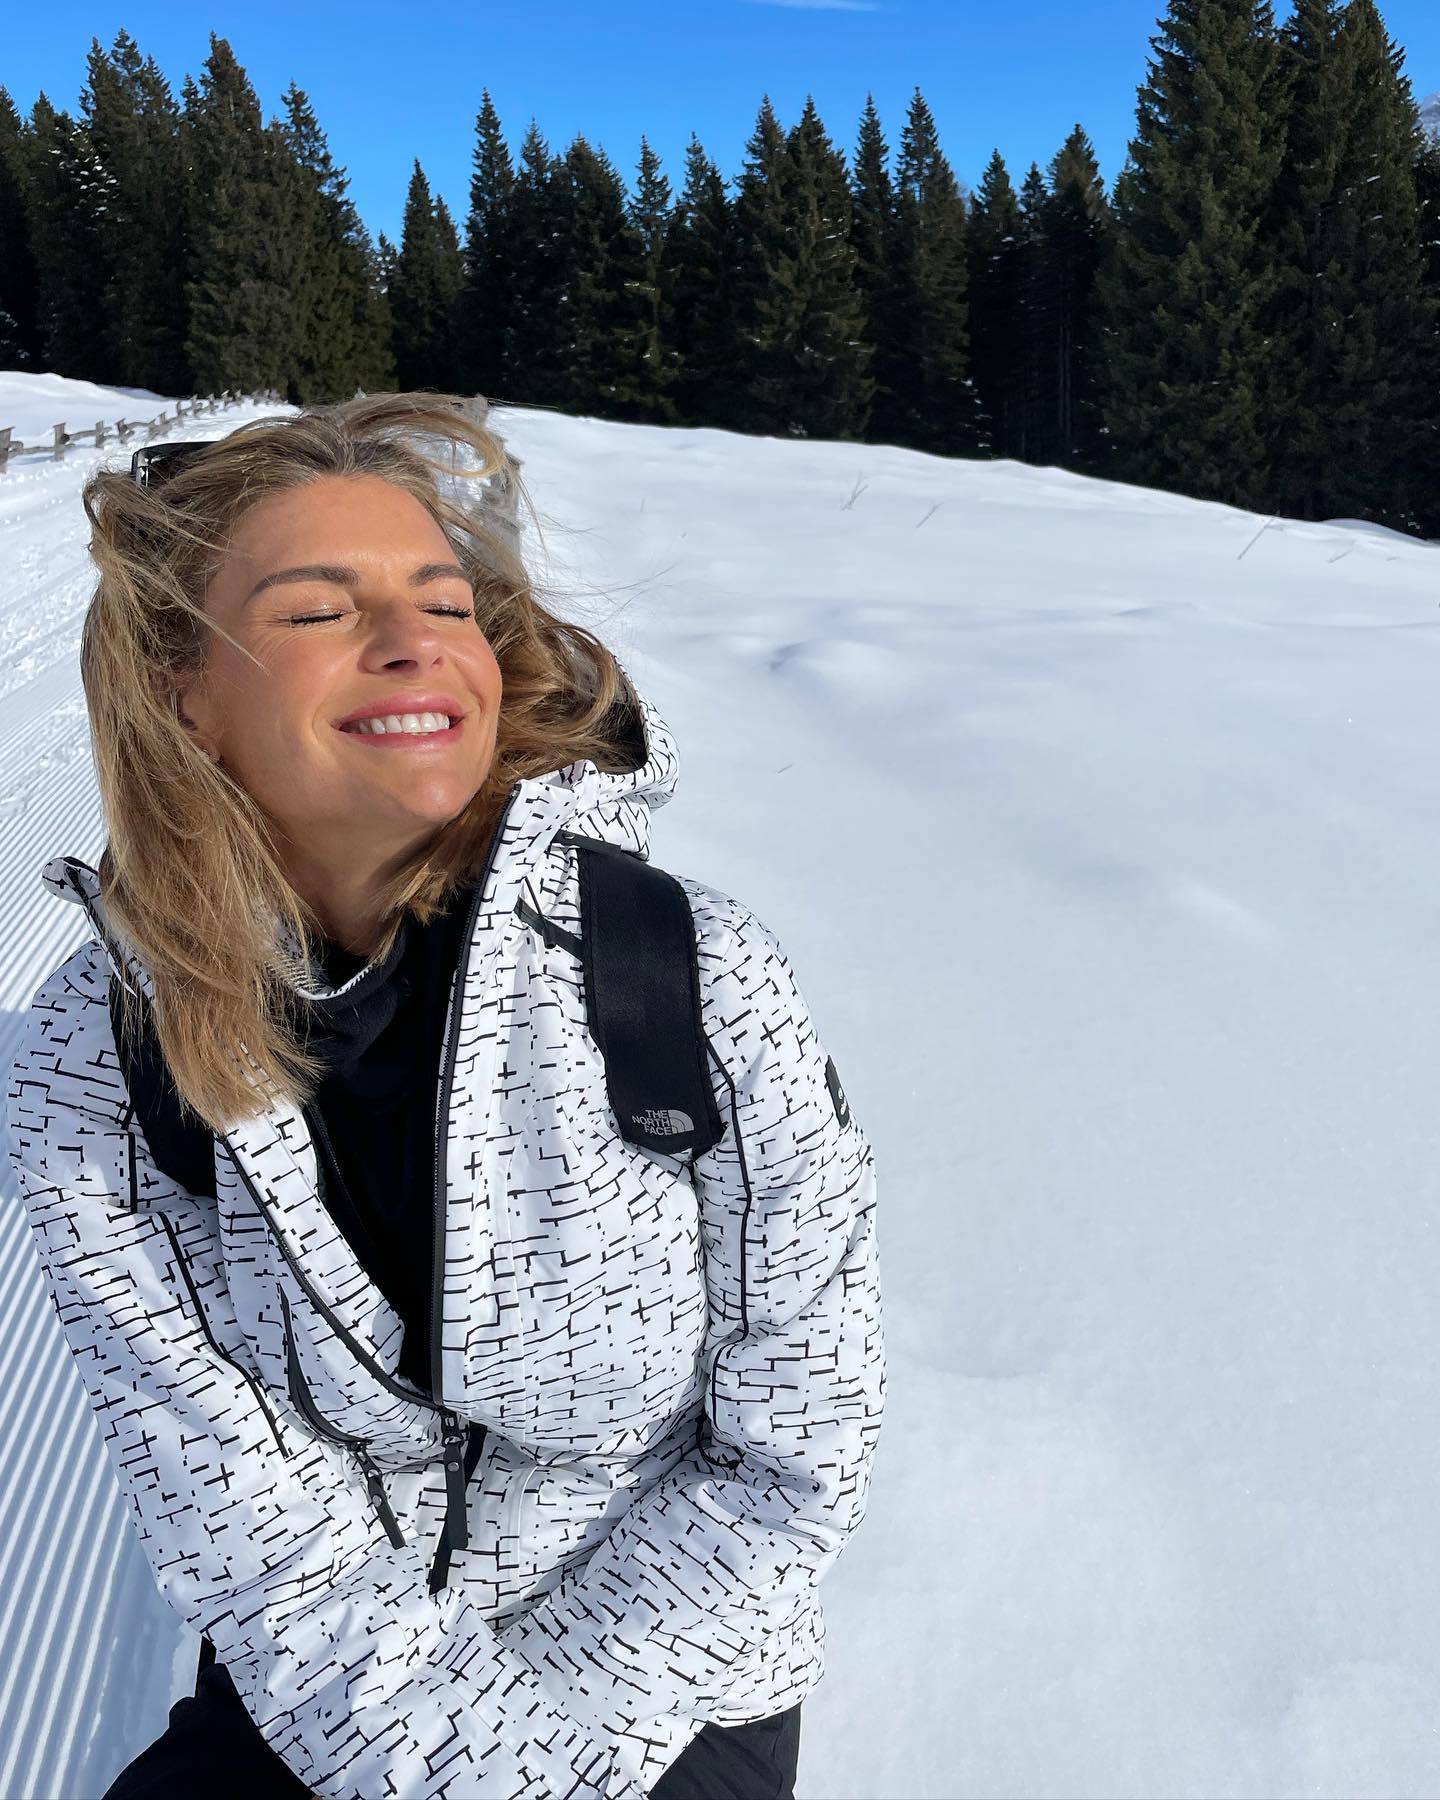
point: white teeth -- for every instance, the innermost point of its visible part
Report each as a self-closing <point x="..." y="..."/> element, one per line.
<point x="411" y="722"/>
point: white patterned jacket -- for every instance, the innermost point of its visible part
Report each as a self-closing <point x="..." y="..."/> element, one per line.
<point x="681" y="1370"/>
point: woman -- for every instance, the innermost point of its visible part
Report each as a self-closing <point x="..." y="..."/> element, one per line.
<point x="494" y="1455"/>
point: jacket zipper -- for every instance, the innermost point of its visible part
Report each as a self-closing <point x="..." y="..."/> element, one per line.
<point x="184" y="1268"/>
<point x="305" y="1404"/>
<point x="454" y="1435"/>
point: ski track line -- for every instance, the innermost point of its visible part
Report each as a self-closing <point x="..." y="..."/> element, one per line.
<point x="58" y="814"/>
<point x="68" y="1529"/>
<point x="46" y="1473"/>
<point x="65" y="1648"/>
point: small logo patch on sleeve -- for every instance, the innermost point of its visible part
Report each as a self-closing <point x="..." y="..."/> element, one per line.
<point x="837" y="1093"/>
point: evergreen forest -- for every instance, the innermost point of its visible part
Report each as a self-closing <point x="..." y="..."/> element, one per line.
<point x="1249" y="314"/>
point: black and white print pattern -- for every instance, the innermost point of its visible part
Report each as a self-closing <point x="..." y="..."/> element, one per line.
<point x="681" y="1371"/>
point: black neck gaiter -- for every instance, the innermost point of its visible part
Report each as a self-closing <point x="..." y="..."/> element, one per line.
<point x="373" y="1115"/>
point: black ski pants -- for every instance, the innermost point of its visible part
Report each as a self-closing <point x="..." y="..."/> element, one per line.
<point x="212" y="1747"/>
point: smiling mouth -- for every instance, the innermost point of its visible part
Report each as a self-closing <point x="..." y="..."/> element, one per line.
<point x="363" y="730"/>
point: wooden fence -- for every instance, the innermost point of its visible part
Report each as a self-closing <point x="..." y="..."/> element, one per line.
<point x="100" y="433"/>
<point x="501" y="485"/>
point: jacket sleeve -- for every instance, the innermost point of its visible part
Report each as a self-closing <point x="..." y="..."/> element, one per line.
<point x="647" y="1634"/>
<point x="259" y="1538"/>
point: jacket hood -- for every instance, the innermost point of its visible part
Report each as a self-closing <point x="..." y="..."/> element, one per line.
<point x="578" y="798"/>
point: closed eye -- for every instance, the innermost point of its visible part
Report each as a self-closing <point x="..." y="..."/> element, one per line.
<point x="450" y="612"/>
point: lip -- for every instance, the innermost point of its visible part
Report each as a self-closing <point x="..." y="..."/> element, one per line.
<point x="403" y="703"/>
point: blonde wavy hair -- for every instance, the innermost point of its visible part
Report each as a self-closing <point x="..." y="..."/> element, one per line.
<point x="190" y="872"/>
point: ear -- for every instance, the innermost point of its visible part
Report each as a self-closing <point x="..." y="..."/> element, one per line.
<point x="196" y="714"/>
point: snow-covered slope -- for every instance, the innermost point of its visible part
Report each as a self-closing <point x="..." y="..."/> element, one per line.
<point x="32" y="405"/>
<point x="1101" y="828"/>
<point x="1430" y="114"/>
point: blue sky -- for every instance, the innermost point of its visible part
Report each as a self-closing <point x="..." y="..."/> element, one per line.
<point x="391" y="83"/>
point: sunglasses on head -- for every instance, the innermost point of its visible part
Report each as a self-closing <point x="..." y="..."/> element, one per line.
<point x="152" y="463"/>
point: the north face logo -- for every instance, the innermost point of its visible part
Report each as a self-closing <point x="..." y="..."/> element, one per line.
<point x="662" y="1121"/>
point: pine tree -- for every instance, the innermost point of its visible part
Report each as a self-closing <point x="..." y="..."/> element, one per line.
<point x="1184" y="297"/>
<point x="601" y="315"/>
<point x="1039" y="322"/>
<point x="1427" y="182"/>
<point x="938" y="408"/>
<point x="283" y="207"/>
<point x="1312" y="221"/>
<point x="1074" y="220"/>
<point x="756" y="403"/>
<point x="19" y="330"/>
<point x="65" y="191"/>
<point x="996" y="268"/>
<point x="1354" y="369"/>
<point x="697" y="281"/>
<point x="874" y="225"/>
<point x="388" y="257"/>
<point x="375" y="333"/>
<point x="133" y="123"/>
<point x="451" y="267"/>
<point x="1403" y="356"/>
<point x="1427" y="188"/>
<point x="341" y="334"/>
<point x="244" y="201"/>
<point x="487" y="292"/>
<point x="818" y="317"/>
<point x="421" y="291"/>
<point x="650" y="214"/>
<point x="535" y="357"/>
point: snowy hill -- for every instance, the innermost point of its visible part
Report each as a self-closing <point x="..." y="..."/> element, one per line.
<point x="1100" y="826"/>
<point x="31" y="405"/>
<point x="1430" y="114"/>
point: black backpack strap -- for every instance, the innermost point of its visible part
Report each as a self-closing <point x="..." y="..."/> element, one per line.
<point x="185" y="1150"/>
<point x="642" y="998"/>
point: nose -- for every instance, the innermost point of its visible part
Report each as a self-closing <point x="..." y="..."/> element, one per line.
<point x="403" y="634"/>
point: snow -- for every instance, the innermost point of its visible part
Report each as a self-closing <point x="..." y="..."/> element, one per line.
<point x="1105" y="852"/>
<point x="1430" y="114"/>
<point x="32" y="405"/>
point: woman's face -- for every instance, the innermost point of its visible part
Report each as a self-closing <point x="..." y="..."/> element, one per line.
<point x="388" y="618"/>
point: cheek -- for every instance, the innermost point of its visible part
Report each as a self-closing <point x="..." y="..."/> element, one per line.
<point x="486" y="679"/>
<point x="280" y="708"/>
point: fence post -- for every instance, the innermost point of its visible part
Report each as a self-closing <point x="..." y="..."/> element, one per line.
<point x="99" y="434"/>
<point x="4" y="446"/>
<point x="60" y="441"/>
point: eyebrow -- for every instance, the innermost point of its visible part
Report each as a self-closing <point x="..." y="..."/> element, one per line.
<point x="343" y="576"/>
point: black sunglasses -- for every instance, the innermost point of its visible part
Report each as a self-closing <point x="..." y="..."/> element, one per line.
<point x="152" y="463"/>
